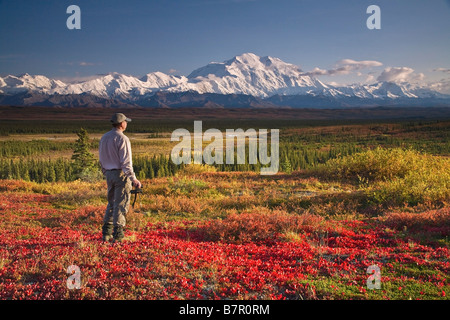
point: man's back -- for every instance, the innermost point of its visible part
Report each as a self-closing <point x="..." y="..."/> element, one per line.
<point x="115" y="152"/>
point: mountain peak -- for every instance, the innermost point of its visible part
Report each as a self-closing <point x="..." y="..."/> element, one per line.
<point x="248" y="55"/>
<point x="251" y="74"/>
<point x="26" y="75"/>
<point x="246" y="58"/>
<point x="245" y="74"/>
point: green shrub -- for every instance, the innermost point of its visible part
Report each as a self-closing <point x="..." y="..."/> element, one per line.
<point x="375" y="164"/>
<point x="187" y="186"/>
<point x="394" y="176"/>
<point x="428" y="184"/>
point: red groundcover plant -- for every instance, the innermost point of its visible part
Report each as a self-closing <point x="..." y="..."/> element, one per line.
<point x="243" y="256"/>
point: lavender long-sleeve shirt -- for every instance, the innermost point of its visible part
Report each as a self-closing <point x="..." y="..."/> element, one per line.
<point x="115" y="153"/>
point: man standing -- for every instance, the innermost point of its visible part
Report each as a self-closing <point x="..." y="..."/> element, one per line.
<point x="117" y="166"/>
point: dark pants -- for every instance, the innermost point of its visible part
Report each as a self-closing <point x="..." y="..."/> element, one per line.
<point x="119" y="188"/>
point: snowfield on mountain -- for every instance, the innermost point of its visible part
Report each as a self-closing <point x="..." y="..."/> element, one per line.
<point x="246" y="74"/>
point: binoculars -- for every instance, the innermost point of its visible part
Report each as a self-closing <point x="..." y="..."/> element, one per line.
<point x="137" y="190"/>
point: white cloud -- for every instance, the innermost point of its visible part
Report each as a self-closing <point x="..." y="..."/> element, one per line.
<point x="369" y="78"/>
<point x="442" y="86"/>
<point x="78" y="79"/>
<point x="84" y="63"/>
<point x="445" y="70"/>
<point x="344" y="67"/>
<point x="79" y="63"/>
<point x="173" y="71"/>
<point x="400" y="74"/>
<point x="357" y="65"/>
<point x="316" y="72"/>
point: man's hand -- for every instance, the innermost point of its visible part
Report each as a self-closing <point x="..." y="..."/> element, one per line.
<point x="136" y="183"/>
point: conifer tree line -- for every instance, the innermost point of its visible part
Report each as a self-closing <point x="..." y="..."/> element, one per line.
<point x="148" y="167"/>
<point x="83" y="164"/>
<point x="65" y="170"/>
<point x="17" y="148"/>
<point x="292" y="158"/>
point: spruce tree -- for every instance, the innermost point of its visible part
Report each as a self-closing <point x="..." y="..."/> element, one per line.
<point x="151" y="171"/>
<point x="286" y="166"/>
<point x="84" y="163"/>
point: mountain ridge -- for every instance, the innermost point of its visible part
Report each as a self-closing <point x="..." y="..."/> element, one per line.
<point x="247" y="79"/>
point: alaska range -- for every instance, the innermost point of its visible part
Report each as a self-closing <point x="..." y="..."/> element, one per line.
<point x="245" y="81"/>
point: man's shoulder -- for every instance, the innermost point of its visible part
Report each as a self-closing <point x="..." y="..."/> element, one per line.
<point x="107" y="135"/>
<point x="115" y="134"/>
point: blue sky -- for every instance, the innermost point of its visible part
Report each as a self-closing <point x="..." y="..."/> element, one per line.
<point x="140" y="36"/>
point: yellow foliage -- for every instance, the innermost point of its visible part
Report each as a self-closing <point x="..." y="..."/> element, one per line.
<point x="394" y="176"/>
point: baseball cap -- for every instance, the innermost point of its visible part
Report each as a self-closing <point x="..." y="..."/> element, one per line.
<point x="119" y="117"/>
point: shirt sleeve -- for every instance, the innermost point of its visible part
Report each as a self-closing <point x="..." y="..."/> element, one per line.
<point x="125" y="156"/>
<point x="100" y="156"/>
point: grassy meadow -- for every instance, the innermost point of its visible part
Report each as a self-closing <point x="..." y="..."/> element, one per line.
<point x="349" y="195"/>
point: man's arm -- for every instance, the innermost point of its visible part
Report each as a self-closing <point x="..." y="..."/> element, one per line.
<point x="126" y="161"/>
<point x="100" y="156"/>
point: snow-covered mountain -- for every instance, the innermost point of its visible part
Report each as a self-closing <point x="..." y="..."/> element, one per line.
<point x="386" y="90"/>
<point x="26" y="82"/>
<point x="252" y="75"/>
<point x="246" y="74"/>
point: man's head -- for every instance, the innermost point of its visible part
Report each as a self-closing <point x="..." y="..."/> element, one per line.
<point x="119" y="120"/>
